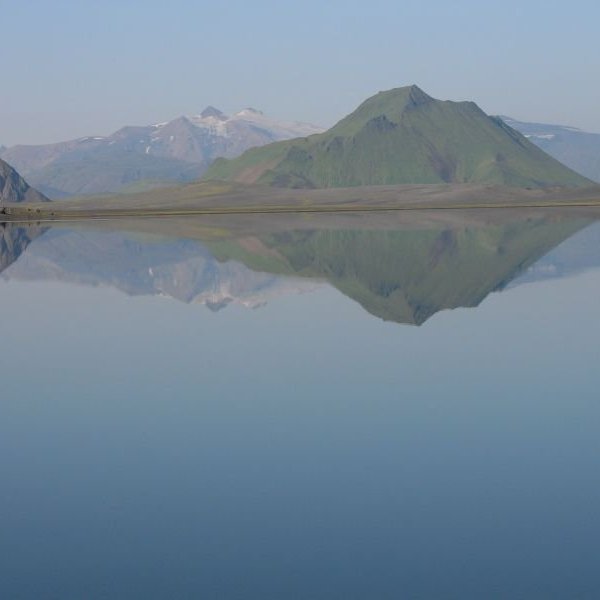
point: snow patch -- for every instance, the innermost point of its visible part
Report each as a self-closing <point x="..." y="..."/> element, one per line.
<point x="541" y="136"/>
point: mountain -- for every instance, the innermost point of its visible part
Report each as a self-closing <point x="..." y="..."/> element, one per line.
<point x="402" y="136"/>
<point x="13" y="188"/>
<point x="573" y="147"/>
<point x="177" y="151"/>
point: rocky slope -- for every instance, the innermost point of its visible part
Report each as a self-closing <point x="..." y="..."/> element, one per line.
<point x="13" y="188"/>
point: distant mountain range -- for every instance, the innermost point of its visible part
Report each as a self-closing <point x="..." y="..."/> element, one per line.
<point x="573" y="147"/>
<point x="397" y="137"/>
<point x="13" y="188"/>
<point x="175" y="151"/>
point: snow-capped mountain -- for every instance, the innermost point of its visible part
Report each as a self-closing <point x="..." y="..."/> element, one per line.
<point x="178" y="150"/>
<point x="211" y="134"/>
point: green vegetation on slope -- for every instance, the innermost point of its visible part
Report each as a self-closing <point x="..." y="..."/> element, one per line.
<point x="402" y="136"/>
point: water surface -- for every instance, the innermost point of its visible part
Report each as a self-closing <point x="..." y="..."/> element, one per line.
<point x="363" y="410"/>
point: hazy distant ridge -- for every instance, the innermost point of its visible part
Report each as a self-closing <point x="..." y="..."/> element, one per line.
<point x="579" y="150"/>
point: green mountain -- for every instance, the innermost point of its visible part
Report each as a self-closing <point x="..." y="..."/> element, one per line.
<point x="402" y="136"/>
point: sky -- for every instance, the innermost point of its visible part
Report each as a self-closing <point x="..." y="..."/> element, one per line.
<point x="87" y="68"/>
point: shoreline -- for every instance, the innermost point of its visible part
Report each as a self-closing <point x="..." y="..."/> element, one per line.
<point x="21" y="214"/>
<point x="203" y="200"/>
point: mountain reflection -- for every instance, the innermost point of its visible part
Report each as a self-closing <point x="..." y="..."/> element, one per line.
<point x="14" y="241"/>
<point x="397" y="269"/>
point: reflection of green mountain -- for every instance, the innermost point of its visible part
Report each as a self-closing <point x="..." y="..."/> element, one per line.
<point x="407" y="275"/>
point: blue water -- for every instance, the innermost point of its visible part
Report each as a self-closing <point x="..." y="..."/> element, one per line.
<point x="151" y="448"/>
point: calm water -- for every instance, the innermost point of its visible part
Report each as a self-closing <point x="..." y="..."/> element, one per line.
<point x="295" y="412"/>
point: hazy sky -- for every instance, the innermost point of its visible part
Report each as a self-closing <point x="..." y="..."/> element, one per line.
<point x="88" y="67"/>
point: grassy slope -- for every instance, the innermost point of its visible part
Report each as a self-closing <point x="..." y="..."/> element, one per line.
<point x="403" y="136"/>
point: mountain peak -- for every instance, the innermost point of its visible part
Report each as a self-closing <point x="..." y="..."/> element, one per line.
<point x="211" y="111"/>
<point x="407" y="96"/>
<point x="389" y="104"/>
<point x="417" y="95"/>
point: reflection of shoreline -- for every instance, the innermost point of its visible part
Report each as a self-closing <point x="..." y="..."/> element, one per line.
<point x="25" y="214"/>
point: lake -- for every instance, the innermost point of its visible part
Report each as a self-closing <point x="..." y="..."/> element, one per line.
<point x="387" y="406"/>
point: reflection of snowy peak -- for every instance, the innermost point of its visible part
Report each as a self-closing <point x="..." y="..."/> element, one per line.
<point x="183" y="270"/>
<point x="177" y="150"/>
